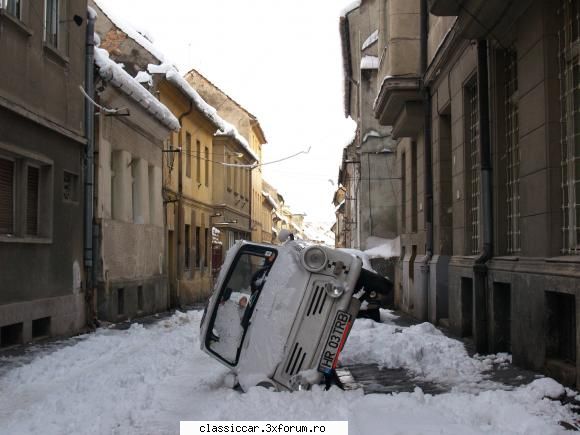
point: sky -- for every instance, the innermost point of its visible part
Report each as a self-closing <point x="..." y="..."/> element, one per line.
<point x="281" y="60"/>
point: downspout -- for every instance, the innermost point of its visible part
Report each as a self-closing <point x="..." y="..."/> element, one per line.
<point x="175" y="300"/>
<point x="89" y="230"/>
<point x="428" y="167"/>
<point x="480" y="265"/>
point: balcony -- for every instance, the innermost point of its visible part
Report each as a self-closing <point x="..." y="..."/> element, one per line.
<point x="480" y="18"/>
<point x="394" y="93"/>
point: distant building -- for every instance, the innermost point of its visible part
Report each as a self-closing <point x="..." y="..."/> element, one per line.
<point x="250" y="129"/>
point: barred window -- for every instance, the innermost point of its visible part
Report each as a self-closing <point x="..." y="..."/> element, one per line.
<point x="569" y="55"/>
<point x="512" y="154"/>
<point x="472" y="167"/>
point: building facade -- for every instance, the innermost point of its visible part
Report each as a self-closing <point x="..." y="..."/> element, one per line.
<point x="42" y="142"/>
<point x="481" y="100"/>
<point x="253" y="138"/>
<point x="131" y="266"/>
<point x="372" y="177"/>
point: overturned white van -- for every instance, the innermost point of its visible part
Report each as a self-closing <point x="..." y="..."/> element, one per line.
<point x="280" y="315"/>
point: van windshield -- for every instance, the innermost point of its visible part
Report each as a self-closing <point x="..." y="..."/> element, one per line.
<point x="237" y="300"/>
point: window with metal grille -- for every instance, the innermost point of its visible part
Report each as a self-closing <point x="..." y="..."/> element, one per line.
<point x="472" y="166"/>
<point x="32" y="198"/>
<point x="6" y="196"/>
<point x="512" y="152"/>
<point x="569" y="55"/>
<point x="13" y="7"/>
<point x="414" y="197"/>
<point x="404" y="191"/>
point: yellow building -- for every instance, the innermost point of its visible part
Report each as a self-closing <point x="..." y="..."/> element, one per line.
<point x="188" y="187"/>
<point x="253" y="138"/>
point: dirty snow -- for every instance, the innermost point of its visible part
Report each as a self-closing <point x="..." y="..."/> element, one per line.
<point x="144" y="380"/>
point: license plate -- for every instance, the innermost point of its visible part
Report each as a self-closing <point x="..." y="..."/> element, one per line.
<point x="335" y="342"/>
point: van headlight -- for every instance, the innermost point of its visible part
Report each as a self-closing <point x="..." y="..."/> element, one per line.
<point x="314" y="259"/>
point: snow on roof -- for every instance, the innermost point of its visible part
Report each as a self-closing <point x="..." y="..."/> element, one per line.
<point x="114" y="73"/>
<point x="270" y="199"/>
<point x="224" y="127"/>
<point x="373" y="37"/>
<point x="369" y="62"/>
<point x="130" y="31"/>
<point x="351" y="7"/>
<point x="143" y="77"/>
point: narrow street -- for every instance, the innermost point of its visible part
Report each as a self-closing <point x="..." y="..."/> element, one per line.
<point x="145" y="379"/>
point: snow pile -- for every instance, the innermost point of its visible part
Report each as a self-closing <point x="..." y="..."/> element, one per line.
<point x="271" y="200"/>
<point x="114" y="73"/>
<point x="373" y="37"/>
<point x="141" y="37"/>
<point x="383" y="248"/>
<point x="421" y="349"/>
<point x="369" y="62"/>
<point x="146" y="379"/>
<point x="224" y="128"/>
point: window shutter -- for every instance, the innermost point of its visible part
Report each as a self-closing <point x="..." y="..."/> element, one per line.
<point x="32" y="201"/>
<point x="6" y="196"/>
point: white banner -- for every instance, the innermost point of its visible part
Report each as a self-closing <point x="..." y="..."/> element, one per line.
<point x="263" y="427"/>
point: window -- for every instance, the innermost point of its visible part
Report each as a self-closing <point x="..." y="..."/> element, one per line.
<point x="6" y="196"/>
<point x="414" y="196"/>
<point x="569" y="55"/>
<point x="228" y="170"/>
<point x="207" y="166"/>
<point x="198" y="161"/>
<point x="13" y="7"/>
<point x="404" y="192"/>
<point x="188" y="155"/>
<point x="472" y="167"/>
<point x="32" y="199"/>
<point x="55" y="24"/>
<point x="197" y="248"/>
<point x="187" y="246"/>
<point x="206" y="250"/>
<point x="25" y="197"/>
<point x="512" y="155"/>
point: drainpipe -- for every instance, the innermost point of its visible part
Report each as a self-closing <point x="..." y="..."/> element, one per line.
<point x="428" y="167"/>
<point x="89" y="231"/>
<point x="480" y="265"/>
<point x="175" y="301"/>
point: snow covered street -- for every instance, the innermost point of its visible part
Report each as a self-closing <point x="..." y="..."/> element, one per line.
<point x="146" y="379"/>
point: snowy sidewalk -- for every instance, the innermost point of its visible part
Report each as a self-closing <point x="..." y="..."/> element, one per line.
<point x="145" y="379"/>
<point x="499" y="373"/>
